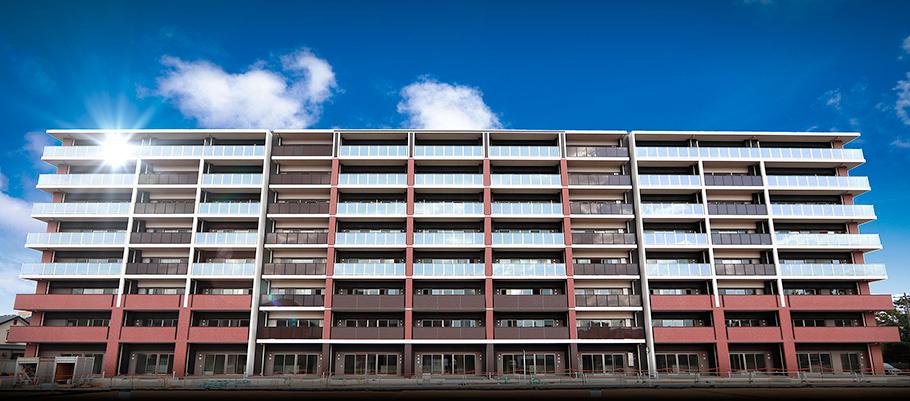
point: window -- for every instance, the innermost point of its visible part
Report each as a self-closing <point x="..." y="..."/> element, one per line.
<point x="528" y="363"/>
<point x="528" y="291"/>
<point x="677" y="363"/>
<point x="675" y="291"/>
<point x="87" y="322"/>
<point x="747" y="322"/>
<point x="449" y="364"/>
<point x="678" y="323"/>
<point x="740" y="291"/>
<point x="602" y="363"/>
<point x="528" y="323"/>
<point x="850" y="362"/>
<point x="448" y="323"/>
<point x="602" y="291"/>
<point x="369" y="291"/>
<point x="159" y="291"/>
<point x="223" y="364"/>
<point x="224" y="322"/>
<point x="748" y="362"/>
<point x="154" y="364"/>
<point x="368" y="323"/>
<point x="295" y="364"/>
<point x="814" y="362"/>
<point x="154" y="322"/>
<point x="448" y="291"/>
<point x="371" y="364"/>
<point x="589" y="323"/>
<point x="294" y="323"/>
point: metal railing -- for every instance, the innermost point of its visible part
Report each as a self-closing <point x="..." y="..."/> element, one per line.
<point x="229" y="208"/>
<point x="449" y="270"/>
<point x="88" y="208"/>
<point x="678" y="269"/>
<point x="232" y="179"/>
<point x="448" y="179"/>
<point x="369" y="269"/>
<point x="529" y="269"/>
<point x="373" y="150"/>
<point x="70" y="269"/>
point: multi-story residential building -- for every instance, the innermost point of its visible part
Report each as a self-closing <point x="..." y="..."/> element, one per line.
<point x="393" y="252"/>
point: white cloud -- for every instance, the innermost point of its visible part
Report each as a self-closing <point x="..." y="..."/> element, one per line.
<point x="35" y="141"/>
<point x="14" y="226"/>
<point x="257" y="98"/>
<point x="902" y="105"/>
<point x="430" y="104"/>
<point x="906" y="45"/>
<point x="901" y="143"/>
<point x="832" y="98"/>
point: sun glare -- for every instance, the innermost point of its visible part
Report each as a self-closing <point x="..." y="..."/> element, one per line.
<point x="117" y="149"/>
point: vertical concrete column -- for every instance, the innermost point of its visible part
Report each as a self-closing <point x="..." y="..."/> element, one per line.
<point x="722" y="349"/>
<point x="642" y="258"/>
<point x="181" y="347"/>
<point x="789" y="344"/>
<point x="260" y="257"/>
<point x="112" y="350"/>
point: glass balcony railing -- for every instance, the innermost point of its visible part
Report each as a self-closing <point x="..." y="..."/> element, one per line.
<point x="374" y="150"/>
<point x="229" y="208"/>
<point x="678" y="269"/>
<point x="675" y="239"/>
<point x="832" y="270"/>
<point x="669" y="180"/>
<point x="369" y="269"/>
<point x="448" y="238"/>
<point x="448" y="179"/>
<point x="222" y="269"/>
<point x="93" y="208"/>
<point x="70" y="269"/>
<point x="448" y="208"/>
<point x="527" y="208"/>
<point x="524" y="151"/>
<point x="232" y="179"/>
<point x="672" y="209"/>
<point x="772" y="154"/>
<point x="865" y="211"/>
<point x="822" y="182"/>
<point x="528" y="238"/>
<point x="88" y="238"/>
<point x="527" y="179"/>
<point x="449" y="270"/>
<point x="825" y="240"/>
<point x="529" y="269"/>
<point x="448" y="151"/>
<point x="89" y="180"/>
<point x="228" y="238"/>
<point x="372" y="208"/>
<point x="372" y="179"/>
<point x="370" y="238"/>
<point x="176" y="151"/>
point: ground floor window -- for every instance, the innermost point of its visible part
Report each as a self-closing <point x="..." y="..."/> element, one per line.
<point x="602" y="363"/>
<point x="677" y="363"/>
<point x="814" y="362"/>
<point x="224" y="364"/>
<point x="371" y="364"/>
<point x="295" y="364"/>
<point x="154" y="364"/>
<point x="748" y="361"/>
<point x="529" y="363"/>
<point x="850" y="362"/>
<point x="449" y="364"/>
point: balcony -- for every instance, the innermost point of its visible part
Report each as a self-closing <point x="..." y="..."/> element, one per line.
<point x="70" y="269"/>
<point x="598" y="179"/>
<point x="684" y="335"/>
<point x="861" y="212"/>
<point x="290" y="333"/>
<point x="531" y="333"/>
<point x="602" y="238"/>
<point x="166" y="208"/>
<point x="605" y="269"/>
<point x="449" y="303"/>
<point x="448" y="208"/>
<point x="448" y="180"/>
<point x="840" y="335"/>
<point x="863" y="271"/>
<point x="749" y="302"/>
<point x="669" y="181"/>
<point x="681" y="270"/>
<point x="740" y="239"/>
<point x="528" y="270"/>
<point x="85" y="180"/>
<point x="672" y="209"/>
<point x="448" y="238"/>
<point x="77" y="239"/>
<point x="528" y="238"/>
<point x="680" y="303"/>
<point x="227" y="238"/>
<point x="313" y="207"/>
<point x="377" y="238"/>
<point x="293" y="269"/>
<point x="368" y="333"/>
<point x="161" y="238"/>
<point x="63" y="302"/>
<point x="157" y="268"/>
<point x="364" y="179"/>
<point x="838" y="183"/>
<point x="611" y="333"/>
<point x="853" y="241"/>
<point x="55" y="334"/>
<point x="154" y="151"/>
<point x="448" y="151"/>
<point x="602" y="208"/>
<point x="370" y="151"/>
<point x="754" y="335"/>
<point x="727" y="180"/>
<point x="527" y="208"/>
<point x="368" y="303"/>
<point x="297" y="238"/>
<point x="522" y="152"/>
<point x="839" y="303"/>
<point x="737" y="209"/>
<point x="530" y="303"/>
<point x="229" y="208"/>
<point x="243" y="180"/>
<point x="148" y="335"/>
<point x="526" y="180"/>
<point x="768" y="154"/>
<point x="369" y="269"/>
<point x="169" y="179"/>
<point x="675" y="239"/>
<point x="58" y="210"/>
<point x="302" y="150"/>
<point x="221" y="302"/>
<point x="608" y="301"/>
<point x="219" y="335"/>
<point x="449" y="333"/>
<point x="371" y="208"/>
<point x="596" y="151"/>
<point x="291" y="300"/>
<point x="445" y="270"/>
<point x="152" y="302"/>
<point x="321" y="178"/>
<point x="223" y="269"/>
<point x="744" y="269"/>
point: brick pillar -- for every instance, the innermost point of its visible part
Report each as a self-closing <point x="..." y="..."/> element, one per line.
<point x="112" y="351"/>
<point x="181" y="347"/>
<point x="722" y="349"/>
<point x="791" y="364"/>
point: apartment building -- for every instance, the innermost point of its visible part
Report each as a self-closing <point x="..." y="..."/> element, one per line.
<point x="411" y="253"/>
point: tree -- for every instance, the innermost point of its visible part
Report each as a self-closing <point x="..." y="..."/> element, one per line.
<point x="898" y="354"/>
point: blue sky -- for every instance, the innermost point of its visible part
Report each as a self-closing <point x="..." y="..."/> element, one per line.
<point x="710" y="65"/>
